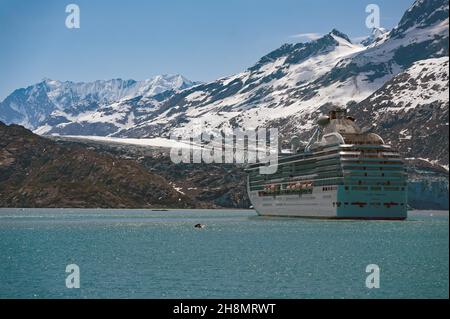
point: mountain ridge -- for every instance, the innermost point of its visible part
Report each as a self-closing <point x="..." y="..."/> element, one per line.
<point x="42" y="99"/>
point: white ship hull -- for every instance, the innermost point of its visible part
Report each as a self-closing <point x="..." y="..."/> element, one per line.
<point x="322" y="204"/>
<point x="319" y="204"/>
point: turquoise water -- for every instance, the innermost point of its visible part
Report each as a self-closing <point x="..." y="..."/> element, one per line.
<point x="158" y="254"/>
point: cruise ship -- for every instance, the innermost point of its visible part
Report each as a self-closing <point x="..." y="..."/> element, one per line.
<point x="343" y="172"/>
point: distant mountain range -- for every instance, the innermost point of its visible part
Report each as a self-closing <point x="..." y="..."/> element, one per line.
<point x="395" y="82"/>
<point x="50" y="101"/>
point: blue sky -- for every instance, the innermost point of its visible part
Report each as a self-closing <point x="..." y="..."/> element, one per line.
<point x="201" y="39"/>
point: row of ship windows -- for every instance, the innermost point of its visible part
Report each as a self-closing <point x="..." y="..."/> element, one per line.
<point x="338" y="180"/>
<point x="324" y="173"/>
<point x="284" y="171"/>
<point x="328" y="182"/>
<point x="374" y="188"/>
<point x="334" y="187"/>
<point x="308" y="156"/>
<point x="302" y="165"/>
<point x="285" y="192"/>
<point x="313" y="156"/>
<point x="373" y="168"/>
<point x="363" y="204"/>
<point x="325" y="182"/>
<point x="347" y="141"/>
<point x="333" y="165"/>
<point x="373" y="174"/>
<point x="376" y="183"/>
<point x="362" y="156"/>
<point x="299" y="167"/>
<point x="375" y="162"/>
<point x="317" y="165"/>
<point x="368" y="150"/>
<point x="379" y="179"/>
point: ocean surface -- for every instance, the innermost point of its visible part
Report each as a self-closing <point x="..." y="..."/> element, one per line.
<point x="159" y="254"/>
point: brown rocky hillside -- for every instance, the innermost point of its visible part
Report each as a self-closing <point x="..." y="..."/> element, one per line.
<point x="38" y="172"/>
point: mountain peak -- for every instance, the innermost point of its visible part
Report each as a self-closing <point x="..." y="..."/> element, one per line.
<point x="339" y="34"/>
<point x="375" y="34"/>
<point x="49" y="81"/>
<point x="422" y="14"/>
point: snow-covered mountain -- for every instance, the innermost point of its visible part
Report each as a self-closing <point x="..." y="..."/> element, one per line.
<point x="376" y="35"/>
<point x="42" y="102"/>
<point x="421" y="34"/>
<point x="411" y="111"/>
<point x="280" y="85"/>
<point x="288" y="88"/>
